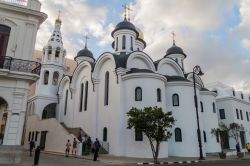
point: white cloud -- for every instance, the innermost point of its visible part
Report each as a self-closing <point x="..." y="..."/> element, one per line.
<point x="78" y="18"/>
<point x="246" y="43"/>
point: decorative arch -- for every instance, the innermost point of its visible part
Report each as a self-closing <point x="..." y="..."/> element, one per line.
<point x="170" y="67"/>
<point x="140" y="60"/>
<point x="46" y="77"/>
<point x="64" y="81"/>
<point x="49" y="111"/>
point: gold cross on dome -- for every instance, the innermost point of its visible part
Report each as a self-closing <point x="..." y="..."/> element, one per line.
<point x="173" y="37"/>
<point x="125" y="10"/>
<point x="128" y="10"/>
<point x="86" y="40"/>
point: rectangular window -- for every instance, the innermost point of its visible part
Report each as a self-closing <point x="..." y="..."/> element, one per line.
<point x="247" y="116"/>
<point x="237" y="114"/>
<point x="222" y="114"/>
<point x="29" y="136"/>
<point x="138" y="135"/>
<point x="66" y="103"/>
<point x="241" y="115"/>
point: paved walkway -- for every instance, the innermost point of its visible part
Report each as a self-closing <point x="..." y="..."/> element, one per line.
<point x="48" y="159"/>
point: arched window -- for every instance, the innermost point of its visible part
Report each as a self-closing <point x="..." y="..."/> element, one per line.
<point x="138" y="135"/>
<point x="116" y="44"/>
<point x="46" y="77"/>
<point x="205" y="136"/>
<point x="106" y="92"/>
<point x="138" y="94"/>
<point x="4" y="39"/>
<point x="123" y="42"/>
<point x="242" y="96"/>
<point x="55" y="78"/>
<point x="175" y="99"/>
<point x="57" y="53"/>
<point x="158" y="95"/>
<point x="178" y="135"/>
<point x="66" y="102"/>
<point x="86" y="96"/>
<point x="233" y="93"/>
<point x="49" y="50"/>
<point x="131" y="41"/>
<point x="214" y="109"/>
<point x="105" y="134"/>
<point x="81" y="97"/>
<point x="201" y="106"/>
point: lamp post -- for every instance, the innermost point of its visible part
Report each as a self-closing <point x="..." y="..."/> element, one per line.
<point x="197" y="71"/>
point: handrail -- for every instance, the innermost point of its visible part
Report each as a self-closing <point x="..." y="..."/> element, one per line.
<point x="20" y="65"/>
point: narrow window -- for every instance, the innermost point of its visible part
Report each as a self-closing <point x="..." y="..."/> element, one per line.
<point x="49" y="50"/>
<point x="214" y="108"/>
<point x="66" y="102"/>
<point x="86" y="96"/>
<point x="217" y="137"/>
<point x="237" y="114"/>
<point x="81" y="97"/>
<point x="178" y="135"/>
<point x="241" y="115"/>
<point x="4" y="39"/>
<point x="201" y="107"/>
<point x="123" y="42"/>
<point x="158" y="95"/>
<point x="46" y="77"/>
<point x="29" y="136"/>
<point x="175" y="99"/>
<point x="131" y="41"/>
<point x="138" y="94"/>
<point x="233" y="93"/>
<point x="36" y="135"/>
<point x="222" y="114"/>
<point x="249" y="98"/>
<point x="247" y="116"/>
<point x="106" y="92"/>
<point x="205" y="136"/>
<point x="138" y="135"/>
<point x="105" y="133"/>
<point x="57" y="53"/>
<point x="33" y="134"/>
<point x="116" y="44"/>
<point x="242" y="96"/>
<point x="55" y="78"/>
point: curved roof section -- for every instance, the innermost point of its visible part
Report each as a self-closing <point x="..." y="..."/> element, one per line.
<point x="125" y="25"/>
<point x="176" y="78"/>
<point x="85" y="53"/>
<point x="175" y="50"/>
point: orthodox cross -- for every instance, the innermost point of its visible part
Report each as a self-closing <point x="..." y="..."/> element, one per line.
<point x="125" y="10"/>
<point x="86" y="40"/>
<point x="128" y="10"/>
<point x="173" y="37"/>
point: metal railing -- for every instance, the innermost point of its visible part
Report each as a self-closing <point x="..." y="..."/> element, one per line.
<point x="20" y="65"/>
<point x="18" y="2"/>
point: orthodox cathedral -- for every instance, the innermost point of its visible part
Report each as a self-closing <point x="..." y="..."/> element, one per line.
<point x="97" y="94"/>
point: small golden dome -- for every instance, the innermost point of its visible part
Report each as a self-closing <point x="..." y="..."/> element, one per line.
<point x="58" y="20"/>
<point x="141" y="36"/>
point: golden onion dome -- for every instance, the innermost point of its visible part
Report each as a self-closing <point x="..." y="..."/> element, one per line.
<point x="141" y="36"/>
<point x="58" y="20"/>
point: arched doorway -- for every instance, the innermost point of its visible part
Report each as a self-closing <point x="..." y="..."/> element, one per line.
<point x="3" y="118"/>
<point x="49" y="111"/>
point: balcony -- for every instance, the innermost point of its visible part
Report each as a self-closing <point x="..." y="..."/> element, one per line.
<point x="19" y="65"/>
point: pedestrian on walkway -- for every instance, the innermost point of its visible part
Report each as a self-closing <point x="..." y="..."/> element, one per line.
<point x="84" y="143"/>
<point x="248" y="147"/>
<point x="68" y="145"/>
<point x="74" y="149"/>
<point x="96" y="147"/>
<point x="32" y="146"/>
<point x="238" y="147"/>
<point x="37" y="155"/>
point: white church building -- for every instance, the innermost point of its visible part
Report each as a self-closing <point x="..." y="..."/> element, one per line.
<point x="96" y="96"/>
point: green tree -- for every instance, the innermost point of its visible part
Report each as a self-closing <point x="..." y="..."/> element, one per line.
<point x="218" y="132"/>
<point x="154" y="123"/>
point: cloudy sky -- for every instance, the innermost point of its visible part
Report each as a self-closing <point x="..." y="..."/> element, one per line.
<point x="214" y="34"/>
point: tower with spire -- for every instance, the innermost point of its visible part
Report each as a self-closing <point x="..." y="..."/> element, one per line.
<point x="52" y="63"/>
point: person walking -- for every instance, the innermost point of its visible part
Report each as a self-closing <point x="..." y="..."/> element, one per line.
<point x="74" y="149"/>
<point x="238" y="147"/>
<point x="37" y="155"/>
<point x="96" y="147"/>
<point x="68" y="145"/>
<point x="32" y="146"/>
<point x="84" y="143"/>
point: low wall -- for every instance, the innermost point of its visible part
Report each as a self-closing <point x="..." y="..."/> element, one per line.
<point x="10" y="155"/>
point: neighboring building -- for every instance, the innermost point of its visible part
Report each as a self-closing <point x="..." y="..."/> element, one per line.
<point x="99" y="93"/>
<point x="19" y="23"/>
<point x="233" y="107"/>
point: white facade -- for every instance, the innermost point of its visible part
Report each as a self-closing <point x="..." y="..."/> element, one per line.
<point x="17" y="70"/>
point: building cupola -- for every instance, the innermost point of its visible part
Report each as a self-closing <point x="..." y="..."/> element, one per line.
<point x="176" y="53"/>
<point x="54" y="51"/>
<point x="85" y="54"/>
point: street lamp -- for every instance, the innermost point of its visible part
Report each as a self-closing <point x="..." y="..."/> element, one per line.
<point x="197" y="71"/>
